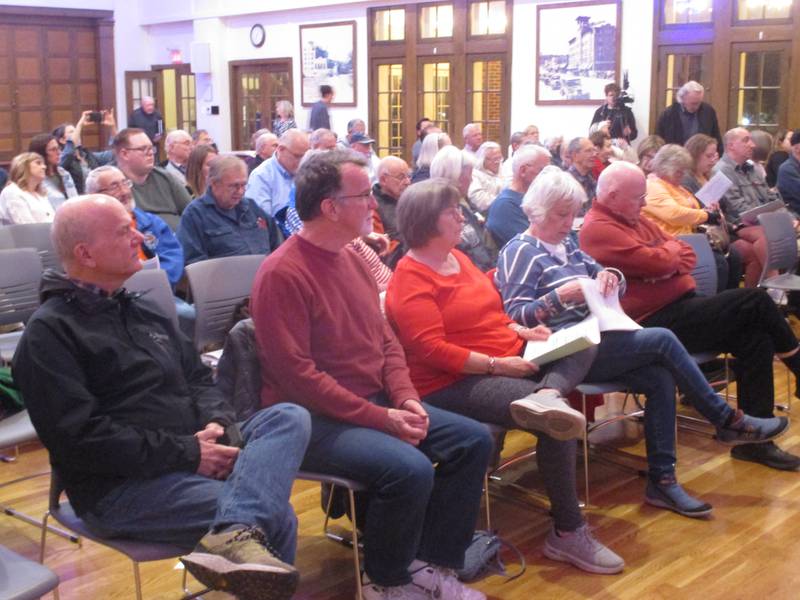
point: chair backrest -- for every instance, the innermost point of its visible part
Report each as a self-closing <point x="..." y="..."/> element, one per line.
<point x="154" y="285"/>
<point x="781" y="242"/>
<point x="705" y="271"/>
<point x="6" y="241"/>
<point x="20" y="277"/>
<point x="218" y="286"/>
<point x="37" y="235"/>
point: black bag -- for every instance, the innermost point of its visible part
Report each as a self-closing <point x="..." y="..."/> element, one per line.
<point x="483" y="557"/>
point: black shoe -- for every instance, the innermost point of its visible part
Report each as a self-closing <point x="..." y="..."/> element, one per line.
<point x="767" y="454"/>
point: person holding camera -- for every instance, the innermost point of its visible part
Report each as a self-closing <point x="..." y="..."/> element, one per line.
<point x="622" y="123"/>
<point x="77" y="160"/>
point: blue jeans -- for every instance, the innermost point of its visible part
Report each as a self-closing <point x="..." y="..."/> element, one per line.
<point x="652" y="361"/>
<point x="179" y="508"/>
<point x="416" y="510"/>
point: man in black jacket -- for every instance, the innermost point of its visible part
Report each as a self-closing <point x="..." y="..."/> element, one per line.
<point x="145" y="443"/>
<point x="687" y="116"/>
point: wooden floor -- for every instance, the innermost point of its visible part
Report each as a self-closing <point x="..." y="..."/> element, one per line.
<point x="749" y="548"/>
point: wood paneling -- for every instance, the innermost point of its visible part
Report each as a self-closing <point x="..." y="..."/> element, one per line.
<point x="53" y="66"/>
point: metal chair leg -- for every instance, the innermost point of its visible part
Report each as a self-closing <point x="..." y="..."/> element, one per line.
<point x="137" y="579"/>
<point x="356" y="557"/>
<point x="585" y="455"/>
<point x="486" y="501"/>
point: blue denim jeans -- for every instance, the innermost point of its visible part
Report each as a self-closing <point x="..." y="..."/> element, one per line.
<point x="416" y="510"/>
<point x="179" y="508"/>
<point x="652" y="361"/>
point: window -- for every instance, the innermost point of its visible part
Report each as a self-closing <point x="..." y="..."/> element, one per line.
<point x="188" y="104"/>
<point x="682" y="12"/>
<point x="436" y="21"/>
<point x="758" y="88"/>
<point x="435" y="93"/>
<point x="485" y="97"/>
<point x="487" y="18"/>
<point x="389" y="89"/>
<point x="389" y="25"/>
<point x="763" y="10"/>
<point x="681" y="67"/>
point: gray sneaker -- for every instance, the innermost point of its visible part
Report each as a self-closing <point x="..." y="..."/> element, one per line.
<point x="241" y="562"/>
<point x="548" y="412"/>
<point x="580" y="548"/>
<point x="744" y="429"/>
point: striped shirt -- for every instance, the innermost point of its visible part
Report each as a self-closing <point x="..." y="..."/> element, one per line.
<point x="528" y="275"/>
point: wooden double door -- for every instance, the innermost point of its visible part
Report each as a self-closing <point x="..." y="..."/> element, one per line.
<point x="256" y="86"/>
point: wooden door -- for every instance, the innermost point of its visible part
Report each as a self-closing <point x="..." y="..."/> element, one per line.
<point x="759" y="80"/>
<point x="679" y="64"/>
<point x="256" y="86"/>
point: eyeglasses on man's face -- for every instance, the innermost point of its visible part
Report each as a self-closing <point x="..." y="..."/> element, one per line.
<point x="145" y="149"/>
<point x="116" y="187"/>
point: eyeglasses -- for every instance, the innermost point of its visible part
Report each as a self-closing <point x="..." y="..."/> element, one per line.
<point x="235" y="187"/>
<point x="117" y="186"/>
<point x="146" y="149"/>
<point x="401" y="176"/>
<point x="361" y="196"/>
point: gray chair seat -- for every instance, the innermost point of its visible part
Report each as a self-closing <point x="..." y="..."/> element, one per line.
<point x="16" y="429"/>
<point x="23" y="579"/>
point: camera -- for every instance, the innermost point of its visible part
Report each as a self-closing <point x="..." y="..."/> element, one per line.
<point x="95" y="116"/>
<point x="617" y="114"/>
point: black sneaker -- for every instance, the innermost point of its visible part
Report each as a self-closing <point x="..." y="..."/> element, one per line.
<point x="767" y="454"/>
<point x="242" y="563"/>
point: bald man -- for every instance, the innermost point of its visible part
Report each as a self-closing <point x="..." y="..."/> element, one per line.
<point x="661" y="293"/>
<point x="265" y="146"/>
<point x="178" y="145"/>
<point x="145" y="443"/>
<point x="148" y="118"/>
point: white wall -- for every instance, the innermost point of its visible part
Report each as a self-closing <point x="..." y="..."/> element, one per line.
<point x="573" y="121"/>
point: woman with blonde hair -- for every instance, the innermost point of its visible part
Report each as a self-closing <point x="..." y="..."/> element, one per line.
<point x="24" y="199"/>
<point x="285" y="120"/>
<point x="647" y="150"/>
<point x="431" y="145"/>
<point x="197" y="170"/>
<point x="486" y="181"/>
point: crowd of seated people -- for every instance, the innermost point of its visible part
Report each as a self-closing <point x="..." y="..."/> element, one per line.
<point x="477" y="255"/>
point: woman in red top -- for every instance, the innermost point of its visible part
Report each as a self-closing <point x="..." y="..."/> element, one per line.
<point x="463" y="354"/>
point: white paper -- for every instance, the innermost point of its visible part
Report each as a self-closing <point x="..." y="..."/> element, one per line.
<point x="607" y="309"/>
<point x="564" y="342"/>
<point x="714" y="189"/>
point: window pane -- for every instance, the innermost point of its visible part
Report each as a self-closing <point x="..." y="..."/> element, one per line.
<point x="390" y="110"/>
<point x="758" y="10"/>
<point x="390" y="24"/>
<point x="487" y="18"/>
<point x="436" y="21"/>
<point x="749" y="111"/>
<point x="435" y="90"/>
<point x="772" y="69"/>
<point x="751" y="68"/>
<point x="486" y="97"/>
<point x="687" y="11"/>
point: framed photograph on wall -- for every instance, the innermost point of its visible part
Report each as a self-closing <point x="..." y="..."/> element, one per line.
<point x="328" y="56"/>
<point x="577" y="51"/>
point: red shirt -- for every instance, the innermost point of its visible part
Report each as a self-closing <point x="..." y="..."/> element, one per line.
<point x="322" y="340"/>
<point x="440" y="319"/>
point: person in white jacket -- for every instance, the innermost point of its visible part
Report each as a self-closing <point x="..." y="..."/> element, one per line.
<point x="486" y="181"/>
<point x="24" y="199"/>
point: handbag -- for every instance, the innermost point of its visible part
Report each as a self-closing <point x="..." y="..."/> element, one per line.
<point x="719" y="237"/>
<point x="482" y="557"/>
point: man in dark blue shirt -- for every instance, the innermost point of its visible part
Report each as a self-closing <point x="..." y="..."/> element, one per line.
<point x="789" y="175"/>
<point x="320" y="118"/>
<point x="223" y="222"/>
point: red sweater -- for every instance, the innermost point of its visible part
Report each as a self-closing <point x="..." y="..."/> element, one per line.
<point x="322" y="340"/>
<point x="656" y="266"/>
<point x="440" y="319"/>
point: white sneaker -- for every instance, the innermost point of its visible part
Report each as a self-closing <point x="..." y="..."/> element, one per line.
<point x="409" y="591"/>
<point x="549" y="413"/>
<point x="441" y="583"/>
<point x="582" y="549"/>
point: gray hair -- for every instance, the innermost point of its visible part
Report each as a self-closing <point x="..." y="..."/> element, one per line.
<point x="525" y="154"/>
<point x="351" y="124"/>
<point x="469" y="127"/>
<point x="516" y="138"/>
<point x="264" y="139"/>
<point x="670" y="160"/>
<point x="430" y="148"/>
<point x="549" y="188"/>
<point x="574" y="145"/>
<point x="483" y="149"/>
<point x="386" y="162"/>
<point x="450" y="162"/>
<point x="687" y="88"/>
<point x="222" y="164"/>
<point x="318" y="135"/>
<point x="286" y="107"/>
<point x="176" y="135"/>
<point x="92" y="182"/>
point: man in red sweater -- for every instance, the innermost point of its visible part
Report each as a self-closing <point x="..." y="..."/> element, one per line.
<point x="661" y="293"/>
<point x="324" y="344"/>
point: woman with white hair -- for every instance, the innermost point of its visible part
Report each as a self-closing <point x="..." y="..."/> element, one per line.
<point x="676" y="210"/>
<point x="538" y="277"/>
<point x="456" y="166"/>
<point x="486" y="181"/>
<point x="431" y="145"/>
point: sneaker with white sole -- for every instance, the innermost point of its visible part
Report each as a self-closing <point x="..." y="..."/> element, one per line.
<point x="242" y="563"/>
<point x="440" y="583"/>
<point x="548" y="412"/>
<point x="668" y="493"/>
<point x="373" y="591"/>
<point x="581" y="549"/>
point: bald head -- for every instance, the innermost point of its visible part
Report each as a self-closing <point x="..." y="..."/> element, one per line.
<point x="95" y="241"/>
<point x="621" y="188"/>
<point x="393" y="176"/>
<point x="739" y="145"/>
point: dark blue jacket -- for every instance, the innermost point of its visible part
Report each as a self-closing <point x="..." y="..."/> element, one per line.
<point x="160" y="241"/>
<point x="506" y="218"/>
<point x="789" y="183"/>
<point x="206" y="232"/>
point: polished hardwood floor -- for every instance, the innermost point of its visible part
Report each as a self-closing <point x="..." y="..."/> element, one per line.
<point x="749" y="548"/>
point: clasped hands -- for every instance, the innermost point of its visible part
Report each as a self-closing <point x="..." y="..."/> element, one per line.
<point x="216" y="460"/>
